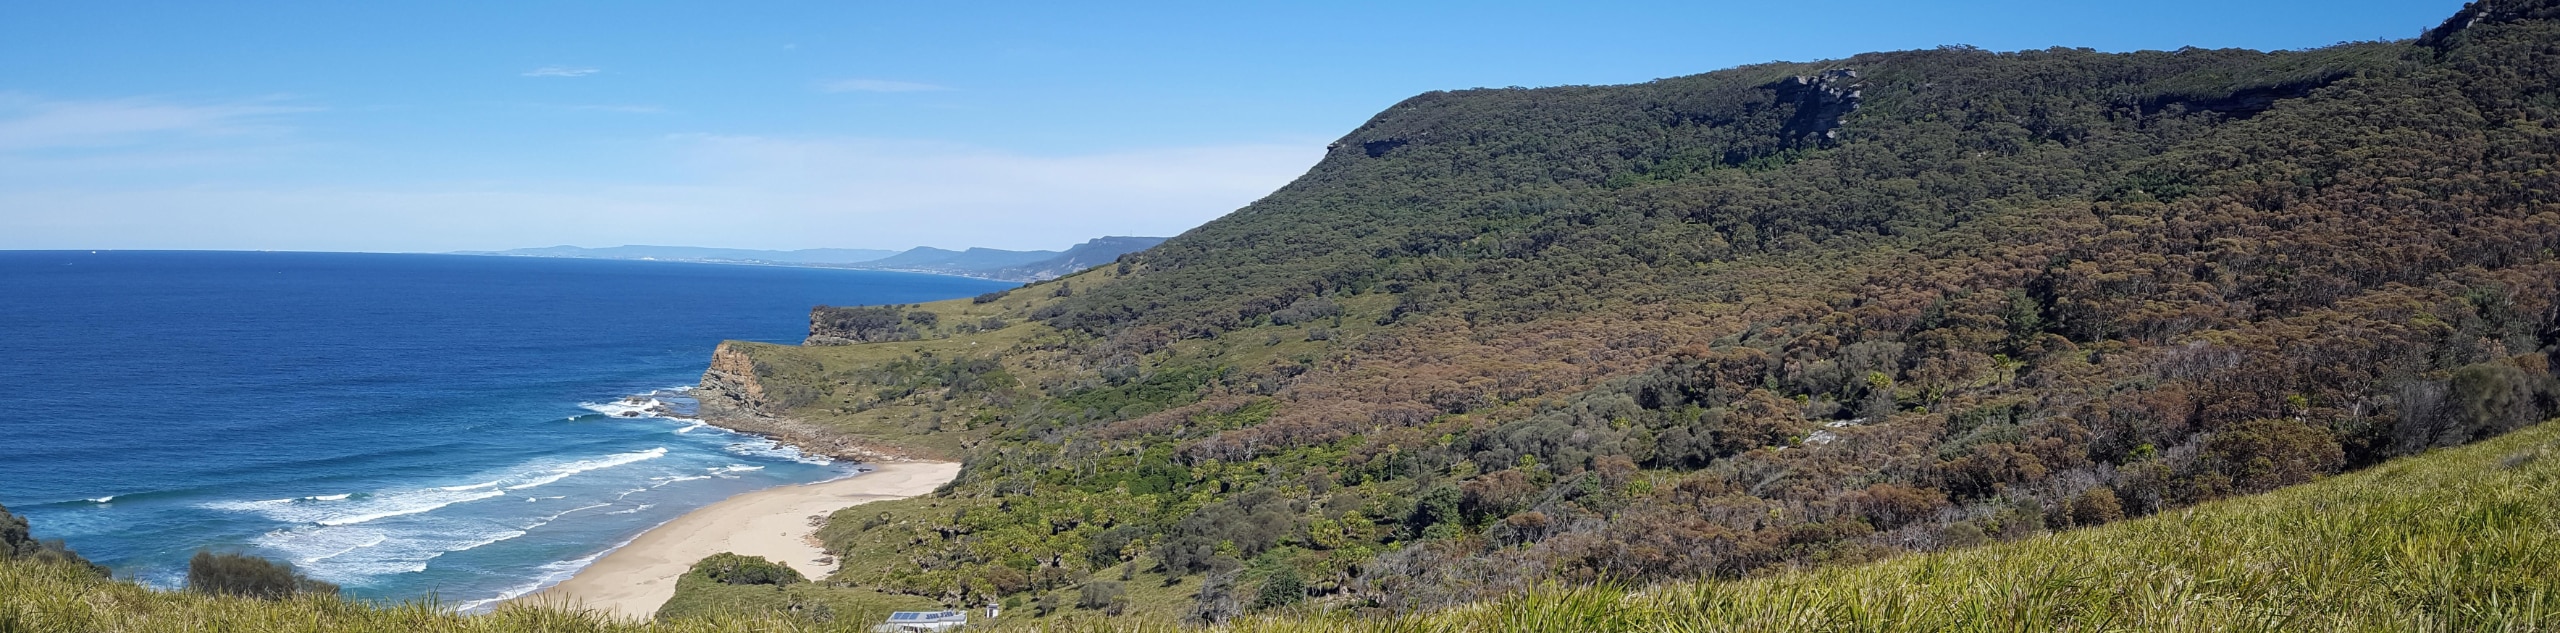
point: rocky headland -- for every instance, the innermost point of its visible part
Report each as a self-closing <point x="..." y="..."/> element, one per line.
<point x="733" y="397"/>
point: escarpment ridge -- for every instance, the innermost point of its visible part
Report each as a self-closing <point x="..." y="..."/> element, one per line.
<point x="1782" y="316"/>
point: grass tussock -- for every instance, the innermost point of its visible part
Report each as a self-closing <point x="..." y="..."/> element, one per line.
<point x="2465" y="539"/>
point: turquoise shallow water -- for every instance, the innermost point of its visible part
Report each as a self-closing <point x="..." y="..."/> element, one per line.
<point x="404" y="425"/>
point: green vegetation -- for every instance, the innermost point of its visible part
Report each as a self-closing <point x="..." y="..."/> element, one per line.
<point x="733" y="569"/>
<point x="2462" y="539"/>
<point x="18" y="543"/>
<point x="1778" y="317"/>
<point x="1943" y="339"/>
<point x="735" y="585"/>
<point x="248" y="576"/>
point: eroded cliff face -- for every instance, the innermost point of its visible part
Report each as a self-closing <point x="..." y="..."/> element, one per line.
<point x="729" y="388"/>
<point x="735" y="397"/>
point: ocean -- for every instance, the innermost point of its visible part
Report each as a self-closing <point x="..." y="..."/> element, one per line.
<point x="406" y="426"/>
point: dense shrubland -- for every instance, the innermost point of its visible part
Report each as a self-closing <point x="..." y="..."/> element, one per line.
<point x="1774" y="317"/>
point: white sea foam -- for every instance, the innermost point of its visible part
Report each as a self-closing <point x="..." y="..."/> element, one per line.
<point x="377" y="538"/>
<point x="584" y="465"/>
<point x="768" y="448"/>
<point x="484" y="540"/>
<point x="623" y="409"/>
<point x="635" y="509"/>
<point x="403" y="505"/>
<point x="555" y="517"/>
<point x="354" y="554"/>
<point x="647" y="405"/>
<point x="104" y="499"/>
<point x="552" y="573"/>
<point x="328" y="510"/>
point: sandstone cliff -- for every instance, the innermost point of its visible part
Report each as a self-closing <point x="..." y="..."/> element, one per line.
<point x="729" y="388"/>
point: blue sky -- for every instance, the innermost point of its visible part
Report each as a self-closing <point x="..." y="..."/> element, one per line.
<point x="452" y="125"/>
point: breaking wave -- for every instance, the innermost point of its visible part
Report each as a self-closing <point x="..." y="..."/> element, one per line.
<point x="344" y="509"/>
<point x="760" y="447"/>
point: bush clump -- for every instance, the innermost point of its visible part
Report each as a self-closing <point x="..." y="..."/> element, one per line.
<point x="18" y="541"/>
<point x="1111" y="597"/>
<point x="738" y="569"/>
<point x="249" y="577"/>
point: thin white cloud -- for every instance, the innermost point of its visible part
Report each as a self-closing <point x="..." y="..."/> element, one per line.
<point x="561" y="71"/>
<point x="31" y="124"/>
<point x="878" y="85"/>
<point x="766" y="192"/>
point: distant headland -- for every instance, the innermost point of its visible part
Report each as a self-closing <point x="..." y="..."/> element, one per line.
<point x="982" y="263"/>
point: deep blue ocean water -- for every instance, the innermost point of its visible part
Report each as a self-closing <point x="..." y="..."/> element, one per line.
<point x="403" y="425"/>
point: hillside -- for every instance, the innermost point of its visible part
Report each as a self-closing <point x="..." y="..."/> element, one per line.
<point x="923" y="257"/>
<point x="1924" y="340"/>
<point x="1094" y="252"/>
<point x="2457" y="539"/>
<point x="1776" y="317"/>
<point x="1007" y="265"/>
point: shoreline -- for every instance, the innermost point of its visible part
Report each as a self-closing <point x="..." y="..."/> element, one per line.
<point x="631" y="581"/>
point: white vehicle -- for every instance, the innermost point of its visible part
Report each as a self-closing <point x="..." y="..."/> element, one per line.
<point x="918" y="621"/>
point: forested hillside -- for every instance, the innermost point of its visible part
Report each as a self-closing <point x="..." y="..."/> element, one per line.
<point x="1710" y="327"/>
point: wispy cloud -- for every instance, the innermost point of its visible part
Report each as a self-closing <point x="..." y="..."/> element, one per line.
<point x="29" y="124"/>
<point x="769" y="192"/>
<point x="878" y="85"/>
<point x="561" y="71"/>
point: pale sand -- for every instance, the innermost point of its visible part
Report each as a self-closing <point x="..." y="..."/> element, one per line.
<point x="632" y="582"/>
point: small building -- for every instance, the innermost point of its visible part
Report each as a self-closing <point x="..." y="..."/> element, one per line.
<point x="921" y="621"/>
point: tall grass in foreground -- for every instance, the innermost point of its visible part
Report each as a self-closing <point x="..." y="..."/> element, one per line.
<point x="48" y="598"/>
<point x="2464" y="539"/>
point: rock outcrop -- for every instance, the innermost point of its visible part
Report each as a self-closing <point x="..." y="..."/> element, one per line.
<point x="729" y="388"/>
<point x="1822" y="102"/>
<point x="734" y="396"/>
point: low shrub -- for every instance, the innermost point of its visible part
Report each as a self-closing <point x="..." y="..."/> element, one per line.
<point x="738" y="569"/>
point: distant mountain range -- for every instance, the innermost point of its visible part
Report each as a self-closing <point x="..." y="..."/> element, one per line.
<point x="984" y="263"/>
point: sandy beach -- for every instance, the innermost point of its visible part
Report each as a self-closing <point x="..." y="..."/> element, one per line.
<point x="633" y="581"/>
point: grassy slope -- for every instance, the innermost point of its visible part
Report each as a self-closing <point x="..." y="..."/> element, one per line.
<point x="2464" y="539"/>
